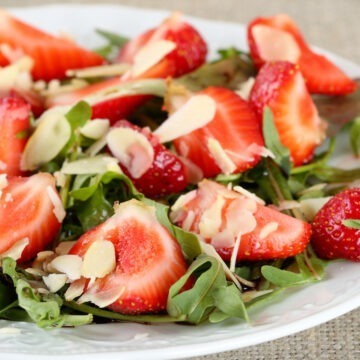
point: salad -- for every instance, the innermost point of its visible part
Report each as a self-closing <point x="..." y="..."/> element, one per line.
<point x="140" y="183"/>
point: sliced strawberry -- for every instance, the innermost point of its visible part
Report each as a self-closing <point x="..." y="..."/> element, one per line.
<point x="14" y="125"/>
<point x="277" y="38"/>
<point x="163" y="175"/>
<point x="281" y="87"/>
<point x="52" y="55"/>
<point x="30" y="210"/>
<point x="235" y="128"/>
<point x="331" y="238"/>
<point x="228" y="219"/>
<point x="189" y="54"/>
<point x="148" y="259"/>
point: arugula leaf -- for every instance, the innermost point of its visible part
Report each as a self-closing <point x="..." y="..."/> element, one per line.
<point x="283" y="278"/>
<point x="273" y="143"/>
<point x="114" y="39"/>
<point x="44" y="310"/>
<point x="206" y="296"/>
<point x="79" y="114"/>
<point x="355" y="136"/>
<point x="352" y="223"/>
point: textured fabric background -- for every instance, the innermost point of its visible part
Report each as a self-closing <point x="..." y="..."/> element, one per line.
<point x="331" y="24"/>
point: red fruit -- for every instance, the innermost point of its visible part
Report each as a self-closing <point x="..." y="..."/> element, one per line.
<point x="14" y="125"/>
<point x="27" y="210"/>
<point x="148" y="259"/>
<point x="235" y="127"/>
<point x="52" y="55"/>
<point x="221" y="216"/>
<point x="331" y="239"/>
<point x="189" y="54"/>
<point x="277" y="38"/>
<point x="281" y="87"/>
<point x="167" y="173"/>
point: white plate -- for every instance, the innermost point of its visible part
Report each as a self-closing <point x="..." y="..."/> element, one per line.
<point x="299" y="309"/>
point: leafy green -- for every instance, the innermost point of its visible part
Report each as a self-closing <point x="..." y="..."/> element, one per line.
<point x="273" y="143"/>
<point x="206" y="296"/>
<point x="355" y="136"/>
<point x="44" y="310"/>
<point x="114" y="39"/>
<point x="78" y="115"/>
<point x="352" y="223"/>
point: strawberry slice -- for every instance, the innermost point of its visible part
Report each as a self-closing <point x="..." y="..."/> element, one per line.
<point x="239" y="223"/>
<point x="156" y="176"/>
<point x="189" y="53"/>
<point x="331" y="238"/>
<point x="30" y="211"/>
<point x="14" y="125"/>
<point x="52" y="55"/>
<point x="281" y="87"/>
<point x="230" y="143"/>
<point x="148" y="259"/>
<point x="277" y="38"/>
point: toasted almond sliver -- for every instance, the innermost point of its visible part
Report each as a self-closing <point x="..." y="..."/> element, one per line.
<point x="98" y="71"/>
<point x="99" y="259"/>
<point x="96" y="128"/>
<point x="102" y="299"/>
<point x="69" y="265"/>
<point x="58" y="210"/>
<point x="16" y="250"/>
<point x="55" y="282"/>
<point x="223" y="161"/>
<point x="75" y="289"/>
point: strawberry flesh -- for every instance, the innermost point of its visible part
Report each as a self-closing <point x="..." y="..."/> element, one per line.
<point x="331" y="239"/>
<point x="26" y="211"/>
<point x="14" y="126"/>
<point x="280" y="86"/>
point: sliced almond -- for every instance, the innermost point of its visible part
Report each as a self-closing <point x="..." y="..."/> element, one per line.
<point x="99" y="71"/>
<point x="248" y="194"/>
<point x="50" y="136"/>
<point x="58" y="210"/>
<point x="309" y="207"/>
<point x="132" y="149"/>
<point x="150" y="54"/>
<point x="197" y="112"/>
<point x="68" y="264"/>
<point x="99" y="259"/>
<point x="75" y="289"/>
<point x="16" y="250"/>
<point x="183" y="200"/>
<point x="95" y="129"/>
<point x="102" y="299"/>
<point x="55" y="282"/>
<point x="91" y="165"/>
<point x="223" y="161"/>
<point x="64" y="247"/>
<point x="275" y="44"/>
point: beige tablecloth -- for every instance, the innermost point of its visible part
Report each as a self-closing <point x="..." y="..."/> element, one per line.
<point x="331" y="24"/>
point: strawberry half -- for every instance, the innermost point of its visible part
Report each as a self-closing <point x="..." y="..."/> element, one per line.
<point x="277" y="38"/>
<point x="281" y="87"/>
<point x="232" y="221"/>
<point x="156" y="176"/>
<point x="14" y="125"/>
<point x="235" y="130"/>
<point x="52" y="55"/>
<point x="30" y="210"/>
<point x="332" y="239"/>
<point x="148" y="259"/>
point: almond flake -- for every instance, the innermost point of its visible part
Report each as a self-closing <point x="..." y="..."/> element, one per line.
<point x="58" y="210"/>
<point x="183" y="200"/>
<point x="248" y="194"/>
<point x="103" y="298"/>
<point x="275" y="44"/>
<point x="197" y="112"/>
<point x="211" y="219"/>
<point x="35" y="272"/>
<point x="16" y="250"/>
<point x="55" y="282"/>
<point x="75" y="289"/>
<point x="150" y="54"/>
<point x="245" y="88"/>
<point x="268" y="229"/>
<point x="69" y="265"/>
<point x="132" y="149"/>
<point x="95" y="129"/>
<point x="188" y="221"/>
<point x="309" y="207"/>
<point x="99" y="71"/>
<point x="222" y="160"/>
<point x="234" y="253"/>
<point x="99" y="259"/>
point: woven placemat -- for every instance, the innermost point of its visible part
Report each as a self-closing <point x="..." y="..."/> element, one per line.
<point x="333" y="25"/>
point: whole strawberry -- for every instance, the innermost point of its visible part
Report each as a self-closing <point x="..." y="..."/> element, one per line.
<point x="332" y="239"/>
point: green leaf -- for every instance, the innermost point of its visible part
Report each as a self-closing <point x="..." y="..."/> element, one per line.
<point x="79" y="114"/>
<point x="352" y="223"/>
<point x="232" y="52"/>
<point x="44" y="310"/>
<point x="355" y="136"/>
<point x="283" y="278"/>
<point x="7" y="296"/>
<point x="336" y="175"/>
<point x="114" y="39"/>
<point x="273" y="143"/>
